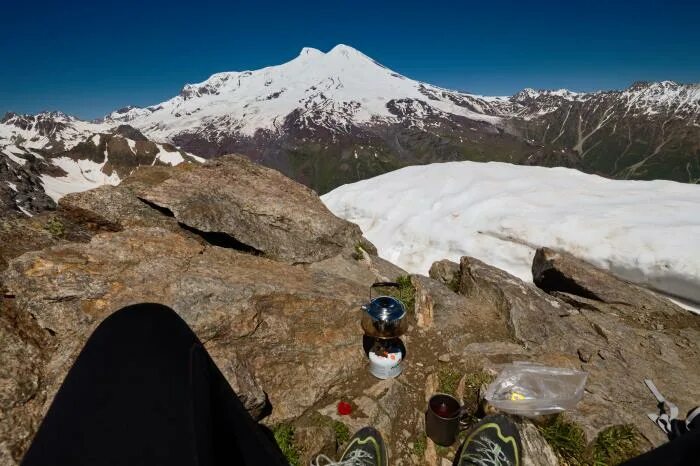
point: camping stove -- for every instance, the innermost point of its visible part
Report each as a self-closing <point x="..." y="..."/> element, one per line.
<point x="384" y="321"/>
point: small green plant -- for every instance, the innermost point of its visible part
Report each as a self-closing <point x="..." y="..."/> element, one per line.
<point x="567" y="439"/>
<point x="342" y="433"/>
<point x="420" y="445"/>
<point x="448" y="380"/>
<point x="359" y="253"/>
<point x="55" y="227"/>
<point x="472" y="384"/>
<point x="615" y="445"/>
<point x="407" y="292"/>
<point x="284" y="436"/>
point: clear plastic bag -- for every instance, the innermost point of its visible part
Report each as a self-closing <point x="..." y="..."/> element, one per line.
<point x="529" y="389"/>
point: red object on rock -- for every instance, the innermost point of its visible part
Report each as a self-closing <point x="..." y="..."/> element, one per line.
<point x="344" y="408"/>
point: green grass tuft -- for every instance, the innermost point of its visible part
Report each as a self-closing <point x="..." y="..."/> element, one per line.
<point x="358" y="254"/>
<point x="419" y="446"/>
<point x="470" y="399"/>
<point x="55" y="227"/>
<point x="567" y="439"/>
<point x="615" y="445"/>
<point x="448" y="380"/>
<point x="342" y="433"/>
<point x="407" y="293"/>
<point x="284" y="436"/>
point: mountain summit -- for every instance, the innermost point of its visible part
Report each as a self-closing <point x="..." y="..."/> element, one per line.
<point x="327" y="119"/>
<point x="333" y="90"/>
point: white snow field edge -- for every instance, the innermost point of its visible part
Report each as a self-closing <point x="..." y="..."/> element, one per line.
<point x="647" y="232"/>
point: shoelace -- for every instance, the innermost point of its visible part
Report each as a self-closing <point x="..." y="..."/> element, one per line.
<point x="355" y="458"/>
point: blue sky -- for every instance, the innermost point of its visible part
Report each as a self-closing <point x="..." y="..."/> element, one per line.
<point x="88" y="58"/>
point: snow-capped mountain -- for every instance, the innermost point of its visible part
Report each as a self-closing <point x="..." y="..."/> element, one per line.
<point x="326" y="119"/>
<point x="329" y="118"/>
<point x="334" y="90"/>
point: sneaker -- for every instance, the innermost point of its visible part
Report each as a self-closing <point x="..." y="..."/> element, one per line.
<point x="366" y="448"/>
<point x="492" y="442"/>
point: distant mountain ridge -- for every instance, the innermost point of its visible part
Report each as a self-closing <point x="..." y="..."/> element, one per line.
<point x="326" y="119"/>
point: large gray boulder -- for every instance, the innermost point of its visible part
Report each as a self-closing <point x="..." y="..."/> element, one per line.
<point x="256" y="207"/>
<point x="563" y="275"/>
<point x="618" y="343"/>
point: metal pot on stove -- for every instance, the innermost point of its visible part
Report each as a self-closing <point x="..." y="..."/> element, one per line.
<point x="385" y="316"/>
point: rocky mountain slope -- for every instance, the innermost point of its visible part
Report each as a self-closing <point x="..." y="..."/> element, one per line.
<point x="63" y="157"/>
<point x="274" y="289"/>
<point x="46" y="156"/>
<point x="326" y="119"/>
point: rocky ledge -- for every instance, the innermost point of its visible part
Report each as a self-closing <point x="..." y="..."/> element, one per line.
<point x="272" y="282"/>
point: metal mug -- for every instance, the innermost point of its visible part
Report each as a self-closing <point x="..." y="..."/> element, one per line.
<point x="444" y="418"/>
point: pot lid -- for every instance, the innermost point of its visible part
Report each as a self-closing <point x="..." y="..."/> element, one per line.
<point x="386" y="309"/>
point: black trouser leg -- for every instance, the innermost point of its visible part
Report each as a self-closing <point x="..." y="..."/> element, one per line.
<point x="145" y="391"/>
<point x="681" y="451"/>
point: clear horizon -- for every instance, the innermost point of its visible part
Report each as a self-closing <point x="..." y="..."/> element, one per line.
<point x="88" y="59"/>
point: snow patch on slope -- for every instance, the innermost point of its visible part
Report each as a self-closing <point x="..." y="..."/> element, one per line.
<point x="82" y="175"/>
<point x="643" y="231"/>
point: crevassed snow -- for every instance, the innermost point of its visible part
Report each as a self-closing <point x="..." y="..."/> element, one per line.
<point x="644" y="231"/>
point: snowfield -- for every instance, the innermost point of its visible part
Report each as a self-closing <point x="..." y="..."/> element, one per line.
<point x="647" y="232"/>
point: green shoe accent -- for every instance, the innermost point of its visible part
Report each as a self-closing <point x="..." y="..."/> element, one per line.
<point x="493" y="442"/>
<point x="366" y="448"/>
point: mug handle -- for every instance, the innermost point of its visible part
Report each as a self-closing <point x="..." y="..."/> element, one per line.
<point x="463" y="425"/>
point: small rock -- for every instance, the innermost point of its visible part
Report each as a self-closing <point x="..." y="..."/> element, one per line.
<point x="424" y="305"/>
<point x="314" y="440"/>
<point x="536" y="450"/>
<point x="444" y="271"/>
<point x="444" y="358"/>
<point x="584" y="354"/>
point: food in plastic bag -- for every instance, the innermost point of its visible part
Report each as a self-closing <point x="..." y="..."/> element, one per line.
<point x="530" y="389"/>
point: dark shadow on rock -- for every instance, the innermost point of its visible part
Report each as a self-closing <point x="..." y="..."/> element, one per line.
<point x="163" y="210"/>
<point x="221" y="240"/>
<point x="551" y="281"/>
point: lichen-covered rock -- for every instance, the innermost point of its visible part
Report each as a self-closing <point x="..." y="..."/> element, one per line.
<point x="579" y="282"/>
<point x="116" y="205"/>
<point x="444" y="271"/>
<point x="257" y="207"/>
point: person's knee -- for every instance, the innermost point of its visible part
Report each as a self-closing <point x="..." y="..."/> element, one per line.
<point x="146" y="319"/>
